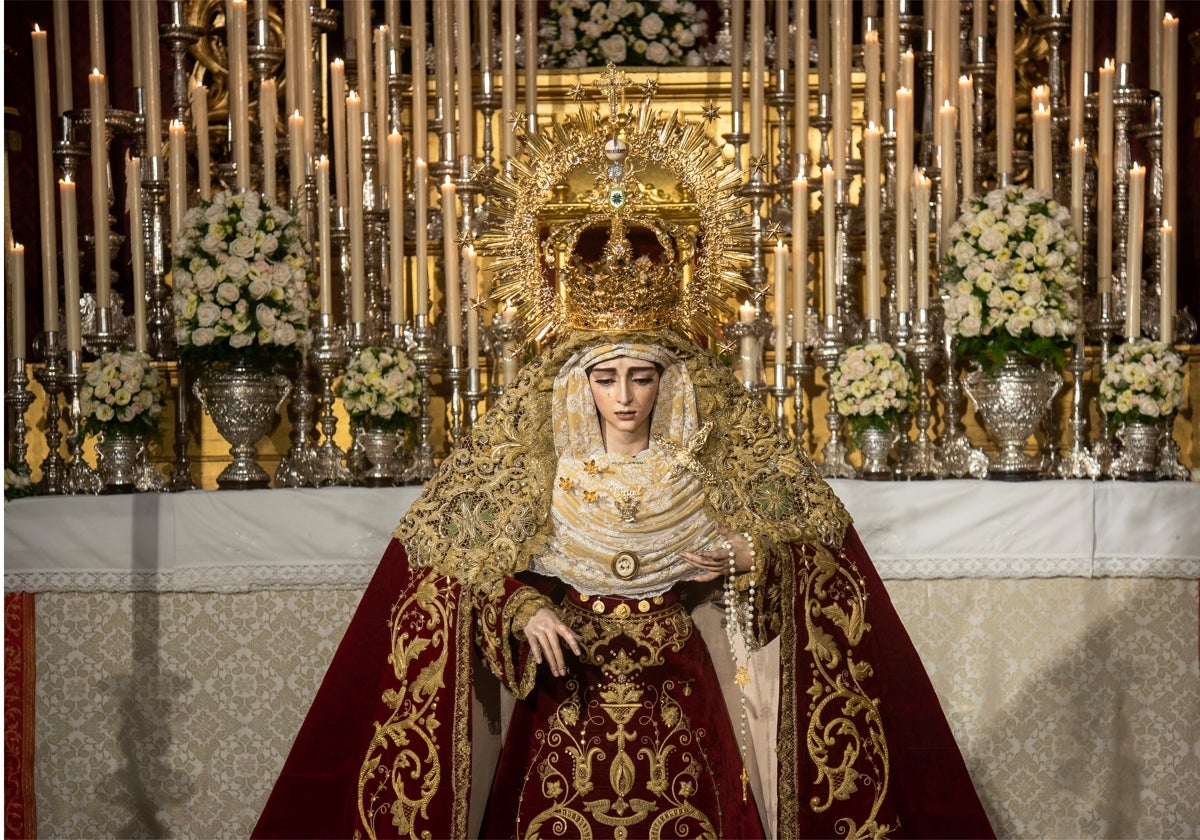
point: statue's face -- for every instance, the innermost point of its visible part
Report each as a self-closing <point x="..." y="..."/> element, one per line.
<point x="625" y="390"/>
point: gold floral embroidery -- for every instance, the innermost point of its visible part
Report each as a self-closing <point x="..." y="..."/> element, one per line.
<point x="564" y="483"/>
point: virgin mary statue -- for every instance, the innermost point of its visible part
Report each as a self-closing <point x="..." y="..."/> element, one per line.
<point x="626" y="605"/>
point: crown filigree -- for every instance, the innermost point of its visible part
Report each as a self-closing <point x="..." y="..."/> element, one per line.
<point x="611" y="259"/>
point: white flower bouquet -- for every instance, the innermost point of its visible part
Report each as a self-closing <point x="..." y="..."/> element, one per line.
<point x="870" y="386"/>
<point x="380" y="389"/>
<point x="17" y="482"/>
<point x="579" y="33"/>
<point x="1011" y="275"/>
<point x="241" y="282"/>
<point x="122" y="392"/>
<point x="1142" y="382"/>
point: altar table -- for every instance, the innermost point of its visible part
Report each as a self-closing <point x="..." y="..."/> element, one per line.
<point x="180" y="638"/>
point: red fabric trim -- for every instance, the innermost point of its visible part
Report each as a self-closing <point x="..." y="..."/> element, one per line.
<point x="20" y="683"/>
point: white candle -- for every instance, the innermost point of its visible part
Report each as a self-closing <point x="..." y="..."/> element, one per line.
<point x="296" y="173"/>
<point x="421" y="206"/>
<point x="337" y="90"/>
<point x="41" y="90"/>
<point x="16" y="300"/>
<point x="99" y="132"/>
<point x="737" y="46"/>
<point x="891" y="52"/>
<point x="908" y="69"/>
<point x="828" y="205"/>
<point x="758" y="49"/>
<point x="749" y="346"/>
<point x="966" y="131"/>
<point x="1104" y="178"/>
<point x="1124" y="31"/>
<point x="324" y="237"/>
<point x="841" y="87"/>
<point x="799" y="257"/>
<point x="268" y="110"/>
<point x="824" y="83"/>
<point x="203" y="153"/>
<point x="362" y="26"/>
<point x="381" y="101"/>
<point x="443" y="45"/>
<point x="1167" y="288"/>
<point x="921" y="205"/>
<point x="96" y="35"/>
<point x="781" y="308"/>
<point x="801" y="104"/>
<point x="1043" y="177"/>
<point x="453" y="297"/>
<point x="873" y="111"/>
<point x="530" y="26"/>
<point x="70" y="225"/>
<point x="1078" y="68"/>
<point x="781" y="36"/>
<point x="151" y="80"/>
<point x="62" y="58"/>
<point x="871" y="177"/>
<point x="358" y="306"/>
<point x="949" y="180"/>
<point x="177" y="176"/>
<point x="1005" y="95"/>
<point x="1133" y="253"/>
<point x="471" y="278"/>
<point x="1078" y="171"/>
<point x="1170" y="122"/>
<point x="508" y="77"/>
<point x="466" y="113"/>
<point x="420" y="107"/>
<point x="512" y="359"/>
<point x="304" y="35"/>
<point x="137" y="249"/>
<point x="904" y="162"/>
<point x="235" y="11"/>
<point x="291" y="65"/>
<point x="395" y="153"/>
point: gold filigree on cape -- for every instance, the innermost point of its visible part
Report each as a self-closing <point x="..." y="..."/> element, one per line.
<point x="845" y="738"/>
<point x="487" y="511"/>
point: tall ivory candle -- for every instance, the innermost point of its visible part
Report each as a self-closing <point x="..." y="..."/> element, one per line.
<point x="421" y="206"/>
<point x="238" y="81"/>
<point x="268" y="116"/>
<point x="151" y="80"/>
<point x="99" y="131"/>
<point x="920" y="195"/>
<point x="1078" y="172"/>
<point x="781" y="307"/>
<point x="358" y="277"/>
<point x="871" y="179"/>
<point x="337" y="116"/>
<point x="471" y="280"/>
<point x="45" y="158"/>
<point x="799" y="257"/>
<point x="949" y="181"/>
<point x="828" y="206"/>
<point x="420" y="97"/>
<point x="395" y="152"/>
<point x="1124" y="31"/>
<point x="296" y="167"/>
<point x="70" y="226"/>
<point x="966" y="133"/>
<point x="1170" y="121"/>
<point x="1005" y="94"/>
<point x="177" y="176"/>
<point x="800" y="140"/>
<point x="904" y="162"/>
<point x="1133" y="253"/>
<point x="749" y="346"/>
<point x="16" y="300"/>
<point x="362" y="34"/>
<point x="1043" y="172"/>
<point x="453" y="295"/>
<point x="530" y="26"/>
<point x="508" y="75"/>
<point x="137" y="249"/>
<point x="62" y="57"/>
<point x="96" y="35"/>
<point x="873" y="110"/>
<point x="1167" y="287"/>
<point x="891" y="52"/>
<point x="737" y="30"/>
<point x="1077" y="69"/>
<point x="1104" y="178"/>
<point x="1157" y="7"/>
<point x="758" y="49"/>
<point x="324" y="236"/>
<point x="203" y="151"/>
<point x="466" y="113"/>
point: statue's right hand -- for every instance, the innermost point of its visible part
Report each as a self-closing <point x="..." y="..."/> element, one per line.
<point x="543" y="633"/>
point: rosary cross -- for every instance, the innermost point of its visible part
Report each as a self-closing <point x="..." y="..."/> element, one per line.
<point x="615" y="81"/>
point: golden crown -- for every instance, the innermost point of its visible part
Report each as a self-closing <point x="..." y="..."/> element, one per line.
<point x="612" y="260"/>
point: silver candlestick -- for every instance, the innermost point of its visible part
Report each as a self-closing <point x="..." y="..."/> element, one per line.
<point x="455" y="374"/>
<point x="1077" y="461"/>
<point x="799" y="368"/>
<point x="922" y="458"/>
<point x="181" y="471"/>
<point x="426" y="357"/>
<point x="328" y="356"/>
<point x="81" y="478"/>
<point x="51" y="377"/>
<point x="835" y="463"/>
<point x="296" y="467"/>
<point x="959" y="456"/>
<point x="17" y="399"/>
<point x="1103" y="449"/>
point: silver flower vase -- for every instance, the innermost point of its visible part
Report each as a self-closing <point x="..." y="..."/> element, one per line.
<point x="1138" y="460"/>
<point x="382" y="457"/>
<point x="876" y="445"/>
<point x="1011" y="401"/>
<point x="244" y="402"/>
<point x="119" y="459"/>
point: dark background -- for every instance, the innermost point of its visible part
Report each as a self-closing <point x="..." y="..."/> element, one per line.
<point x="20" y="139"/>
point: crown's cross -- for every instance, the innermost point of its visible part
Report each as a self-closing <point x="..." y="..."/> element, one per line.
<point x="615" y="81"/>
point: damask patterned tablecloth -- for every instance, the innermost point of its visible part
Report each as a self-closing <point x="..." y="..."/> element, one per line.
<point x="332" y="537"/>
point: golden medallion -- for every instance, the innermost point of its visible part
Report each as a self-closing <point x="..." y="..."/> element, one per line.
<point x="625" y="565"/>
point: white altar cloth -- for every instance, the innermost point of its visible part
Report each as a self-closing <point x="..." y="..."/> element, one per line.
<point x="206" y="541"/>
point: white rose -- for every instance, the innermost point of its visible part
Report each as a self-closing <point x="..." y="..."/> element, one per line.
<point x="259" y="288"/>
<point x="652" y="24"/>
<point x="207" y="314"/>
<point x="577" y="60"/>
<point x="385" y="410"/>
<point x="240" y="340"/>
<point x="285" y="334"/>
<point x="242" y="247"/>
<point x="1044" y="326"/>
<point x="227" y="293"/>
<point x="203" y="336"/>
<point x="686" y="38"/>
<point x="206" y="279"/>
<point x="657" y="53"/>
<point x="613" y="49"/>
<point x="104" y="413"/>
<point x="236" y="268"/>
<point x="265" y="315"/>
